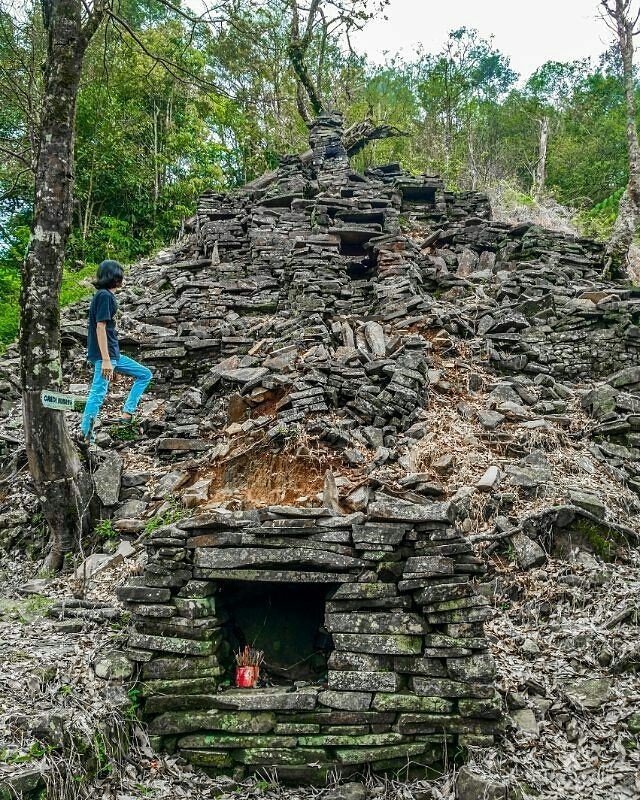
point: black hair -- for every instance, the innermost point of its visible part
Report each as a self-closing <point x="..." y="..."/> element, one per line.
<point x="109" y="275"/>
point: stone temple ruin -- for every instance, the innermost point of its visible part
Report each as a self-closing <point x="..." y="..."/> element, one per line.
<point x="371" y="628"/>
<point x="302" y="331"/>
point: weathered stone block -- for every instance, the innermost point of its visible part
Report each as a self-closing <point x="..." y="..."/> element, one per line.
<point x="337" y="740"/>
<point x="479" y="667"/>
<point x="412" y="724"/>
<point x="429" y="565"/>
<point x="202" y="685"/>
<point x="233" y="557"/>
<point x="438" y="687"/>
<point x="269" y="756"/>
<point x="364" y="591"/>
<point x="401" y="511"/>
<point x="366" y="755"/>
<point x="411" y="702"/>
<point x="348" y="701"/>
<point x="471" y="786"/>
<point x="433" y="667"/>
<point x="366" y="681"/>
<point x="353" y="662"/>
<point x="233" y="741"/>
<point x="172" y="668"/>
<point x="376" y="623"/>
<point x="210" y="759"/>
<point x="153" y="611"/>
<point x="106" y="479"/>
<point x="295" y="728"/>
<point x="159" y="703"/>
<point x="277" y="699"/>
<point x="390" y="645"/>
<point x="489" y="708"/>
<point x="194" y="608"/>
<point x="213" y="720"/>
<point x="143" y="594"/>
<point x="171" y="644"/>
<point x="442" y="591"/>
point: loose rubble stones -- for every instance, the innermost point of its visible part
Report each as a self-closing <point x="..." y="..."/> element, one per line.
<point x="313" y="311"/>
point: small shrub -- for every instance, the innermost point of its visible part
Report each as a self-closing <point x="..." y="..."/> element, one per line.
<point x="105" y="529"/>
<point x="123" y="432"/>
<point x="174" y="513"/>
<point x="598" y="222"/>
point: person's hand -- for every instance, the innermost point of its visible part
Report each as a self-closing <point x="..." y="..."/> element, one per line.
<point x="107" y="369"/>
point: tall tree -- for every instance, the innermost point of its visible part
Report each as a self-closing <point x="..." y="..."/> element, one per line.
<point x="545" y="95"/>
<point x="62" y="482"/>
<point x="623" y="19"/>
<point x="318" y="22"/>
<point x="453" y="86"/>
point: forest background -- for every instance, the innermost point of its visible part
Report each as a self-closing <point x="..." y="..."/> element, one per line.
<point x="152" y="132"/>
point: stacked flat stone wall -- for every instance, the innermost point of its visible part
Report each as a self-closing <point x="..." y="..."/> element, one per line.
<point x="409" y="674"/>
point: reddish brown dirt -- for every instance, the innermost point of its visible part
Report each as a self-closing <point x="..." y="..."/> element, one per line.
<point x="264" y="478"/>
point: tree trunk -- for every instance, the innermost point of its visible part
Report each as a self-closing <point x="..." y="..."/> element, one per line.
<point x="62" y="483"/>
<point x="355" y="138"/>
<point x="297" y="52"/>
<point x="540" y="173"/>
<point x="617" y="249"/>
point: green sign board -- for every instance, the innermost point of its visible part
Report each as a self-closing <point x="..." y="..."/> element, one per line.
<point x="62" y="402"/>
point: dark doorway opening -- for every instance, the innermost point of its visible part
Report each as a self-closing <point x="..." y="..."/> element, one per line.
<point x="361" y="270"/>
<point x="284" y="620"/>
<point x="419" y="194"/>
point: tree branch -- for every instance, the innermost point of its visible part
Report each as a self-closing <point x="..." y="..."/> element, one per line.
<point x="17" y="156"/>
<point x="6" y="195"/>
<point x="176" y="70"/>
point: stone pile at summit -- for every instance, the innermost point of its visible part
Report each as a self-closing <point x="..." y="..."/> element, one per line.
<point x="356" y="376"/>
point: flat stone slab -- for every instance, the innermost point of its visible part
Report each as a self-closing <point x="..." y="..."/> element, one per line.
<point x="375" y="623"/>
<point x="398" y="644"/>
<point x="219" y="521"/>
<point x="365" y="681"/>
<point x="270" y="699"/>
<point x="174" y="444"/>
<point x="489" y="480"/>
<point x="106" y="479"/>
<point x="525" y="721"/>
<point x="172" y="722"/>
<point x="272" y="576"/>
<point x="411" y="512"/>
<point x="588" y="693"/>
<point x="234" y="557"/>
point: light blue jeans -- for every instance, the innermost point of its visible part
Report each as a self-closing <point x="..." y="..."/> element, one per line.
<point x="100" y="387"/>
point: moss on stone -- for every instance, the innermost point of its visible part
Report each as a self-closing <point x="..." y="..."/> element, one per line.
<point x="599" y="539"/>
<point x="411" y="702"/>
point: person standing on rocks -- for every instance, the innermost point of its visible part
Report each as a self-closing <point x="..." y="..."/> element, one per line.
<point x="104" y="350"/>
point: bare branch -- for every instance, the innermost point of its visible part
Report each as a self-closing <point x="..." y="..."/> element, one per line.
<point x="17" y="156"/>
<point x="9" y="193"/>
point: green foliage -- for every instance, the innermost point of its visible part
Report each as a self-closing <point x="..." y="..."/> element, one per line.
<point x="598" y="221"/>
<point x="131" y="712"/>
<point x="35" y="751"/>
<point x="124" y="432"/>
<point x="105" y="530"/>
<point x="15" y="235"/>
<point x="174" y="513"/>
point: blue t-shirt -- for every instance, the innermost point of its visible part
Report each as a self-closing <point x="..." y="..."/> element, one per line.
<point x="103" y="309"/>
